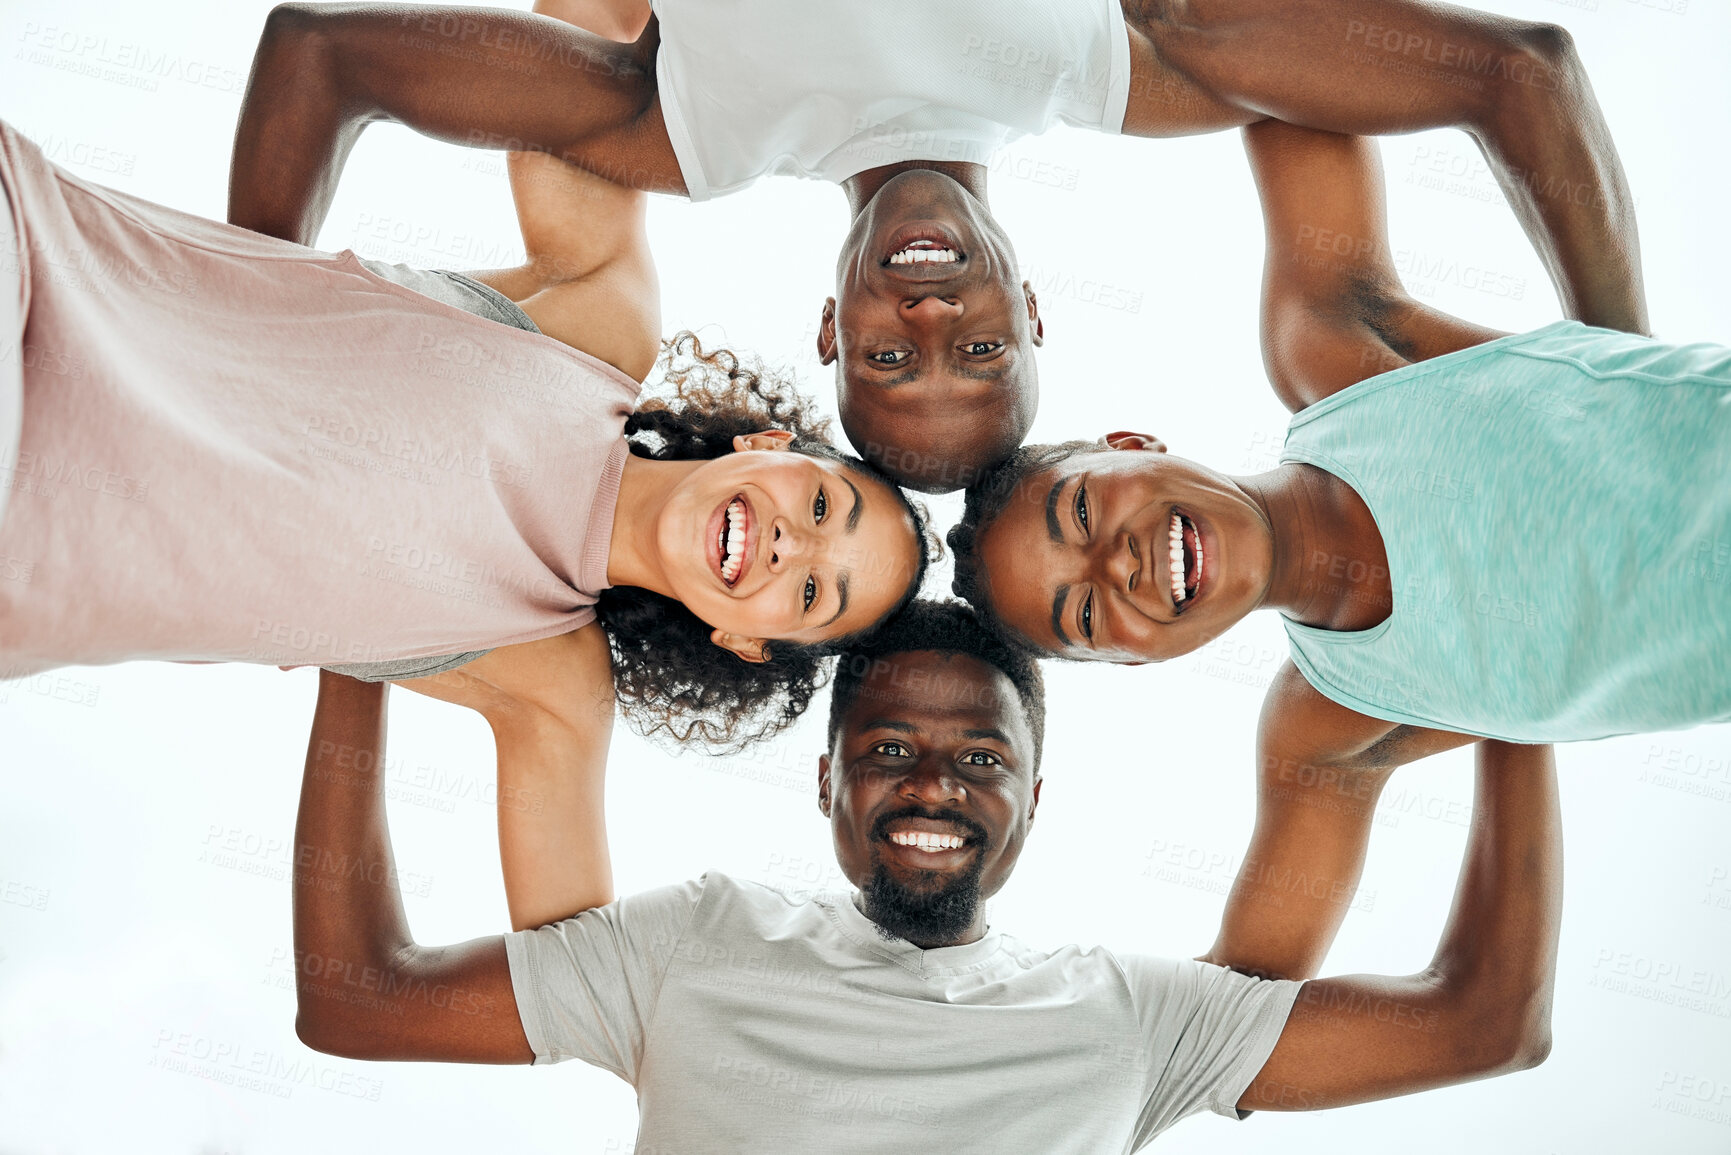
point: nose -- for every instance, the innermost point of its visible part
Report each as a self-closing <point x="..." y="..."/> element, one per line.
<point x="1120" y="561"/>
<point x="931" y="782"/>
<point x="929" y="311"/>
<point x="789" y="543"/>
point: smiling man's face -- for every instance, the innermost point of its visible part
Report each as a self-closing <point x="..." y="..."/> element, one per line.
<point x="933" y="331"/>
<point x="930" y="790"/>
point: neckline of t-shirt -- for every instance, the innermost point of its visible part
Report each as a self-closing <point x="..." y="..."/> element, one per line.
<point x="943" y="961"/>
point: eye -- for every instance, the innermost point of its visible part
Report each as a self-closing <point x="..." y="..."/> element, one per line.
<point x="1082" y="506"/>
<point x="981" y="348"/>
<point x="810" y="591"/>
<point x="892" y="750"/>
<point x="981" y="758"/>
<point x="820" y="507"/>
<point x="1088" y="617"/>
<point x="888" y="357"/>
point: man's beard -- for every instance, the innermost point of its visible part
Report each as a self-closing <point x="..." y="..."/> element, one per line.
<point x="939" y="916"/>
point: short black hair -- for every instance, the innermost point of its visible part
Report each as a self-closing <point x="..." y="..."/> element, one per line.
<point x="944" y="627"/>
<point x="985" y="500"/>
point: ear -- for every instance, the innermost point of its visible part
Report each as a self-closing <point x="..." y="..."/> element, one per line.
<point x="753" y="650"/>
<point x="1123" y="439"/>
<point x="823" y="784"/>
<point x="1035" y="804"/>
<point x="1034" y="321"/>
<point x="826" y="333"/>
<point x="763" y="439"/>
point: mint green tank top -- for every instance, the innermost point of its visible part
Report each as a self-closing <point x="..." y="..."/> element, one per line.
<point x="1556" y="507"/>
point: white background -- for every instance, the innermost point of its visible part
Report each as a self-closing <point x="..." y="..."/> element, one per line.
<point x="146" y="810"/>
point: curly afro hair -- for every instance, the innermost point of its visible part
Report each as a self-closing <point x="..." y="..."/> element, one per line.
<point x="669" y="678"/>
<point x="945" y="627"/>
<point x="985" y="500"/>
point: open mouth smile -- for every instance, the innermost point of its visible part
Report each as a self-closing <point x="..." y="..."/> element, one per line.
<point x="928" y="838"/>
<point x="923" y="252"/>
<point x="1186" y="560"/>
<point x="731" y="534"/>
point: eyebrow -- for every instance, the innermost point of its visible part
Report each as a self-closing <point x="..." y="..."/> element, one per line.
<point x="858" y="505"/>
<point x="1054" y="530"/>
<point x="891" y="724"/>
<point x="841" y="583"/>
<point x="995" y="735"/>
<point x="1058" y="616"/>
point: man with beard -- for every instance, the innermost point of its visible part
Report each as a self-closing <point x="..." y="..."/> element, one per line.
<point x="902" y="103"/>
<point x="748" y="1020"/>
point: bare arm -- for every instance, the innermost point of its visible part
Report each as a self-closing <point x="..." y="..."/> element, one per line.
<point x="482" y="77"/>
<point x="1333" y="309"/>
<point x="1483" y="1005"/>
<point x="1323" y="769"/>
<point x="364" y="988"/>
<point x="550" y="707"/>
<point x="588" y="278"/>
<point x="1381" y="67"/>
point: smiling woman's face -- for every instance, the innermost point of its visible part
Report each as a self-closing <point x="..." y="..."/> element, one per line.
<point x="1126" y="555"/>
<point x="767" y="543"/>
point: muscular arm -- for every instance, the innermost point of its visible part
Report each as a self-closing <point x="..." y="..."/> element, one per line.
<point x="1483" y="1005"/>
<point x="482" y="77"/>
<point x="1333" y="309"/>
<point x="1381" y="67"/>
<point x="364" y="988"/>
<point x="550" y="707"/>
<point x="1323" y="769"/>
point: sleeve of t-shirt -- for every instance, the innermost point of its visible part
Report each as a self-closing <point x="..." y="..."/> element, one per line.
<point x="1208" y="1031"/>
<point x="586" y="987"/>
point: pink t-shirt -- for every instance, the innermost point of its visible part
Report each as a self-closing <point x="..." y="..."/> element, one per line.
<point x="234" y="448"/>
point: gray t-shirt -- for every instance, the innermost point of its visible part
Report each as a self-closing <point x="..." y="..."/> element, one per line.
<point x="751" y="1021"/>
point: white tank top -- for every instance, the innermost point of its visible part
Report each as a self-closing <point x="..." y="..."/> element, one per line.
<point x="825" y="90"/>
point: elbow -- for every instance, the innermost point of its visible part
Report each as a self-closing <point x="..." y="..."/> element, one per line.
<point x="1540" y="67"/>
<point x="1516" y="1040"/>
<point x="318" y="1034"/>
<point x="329" y="1036"/>
<point x="297" y="35"/>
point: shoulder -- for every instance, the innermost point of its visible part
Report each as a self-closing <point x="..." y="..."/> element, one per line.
<point x="1303" y="734"/>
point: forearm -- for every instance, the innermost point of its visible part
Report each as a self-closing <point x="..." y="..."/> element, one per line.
<point x="1482" y="1008"/>
<point x="1497" y="957"/>
<point x="1380" y="67"/>
<point x="482" y="77"/>
<point x="348" y="912"/>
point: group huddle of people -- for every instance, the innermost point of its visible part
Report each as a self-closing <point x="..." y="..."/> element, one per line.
<point x="504" y="489"/>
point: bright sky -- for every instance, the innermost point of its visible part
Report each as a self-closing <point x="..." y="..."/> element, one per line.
<point x="146" y="999"/>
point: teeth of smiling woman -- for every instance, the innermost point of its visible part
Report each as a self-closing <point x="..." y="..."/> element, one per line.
<point x="733" y="540"/>
<point x="923" y="256"/>
<point x="1176" y="537"/>
<point x="921" y="840"/>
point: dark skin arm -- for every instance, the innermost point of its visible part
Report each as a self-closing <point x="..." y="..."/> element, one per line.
<point x="364" y="988"/>
<point x="1483" y="1006"/>
<point x="1333" y="309"/>
<point x="482" y="77"/>
<point x="1323" y="769"/>
<point x="1383" y="67"/>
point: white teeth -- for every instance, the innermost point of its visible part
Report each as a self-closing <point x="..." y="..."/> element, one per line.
<point x="1176" y="538"/>
<point x="912" y="256"/>
<point x="922" y="840"/>
<point x="733" y="540"/>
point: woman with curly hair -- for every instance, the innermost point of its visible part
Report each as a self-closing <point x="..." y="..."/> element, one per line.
<point x="221" y="446"/>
